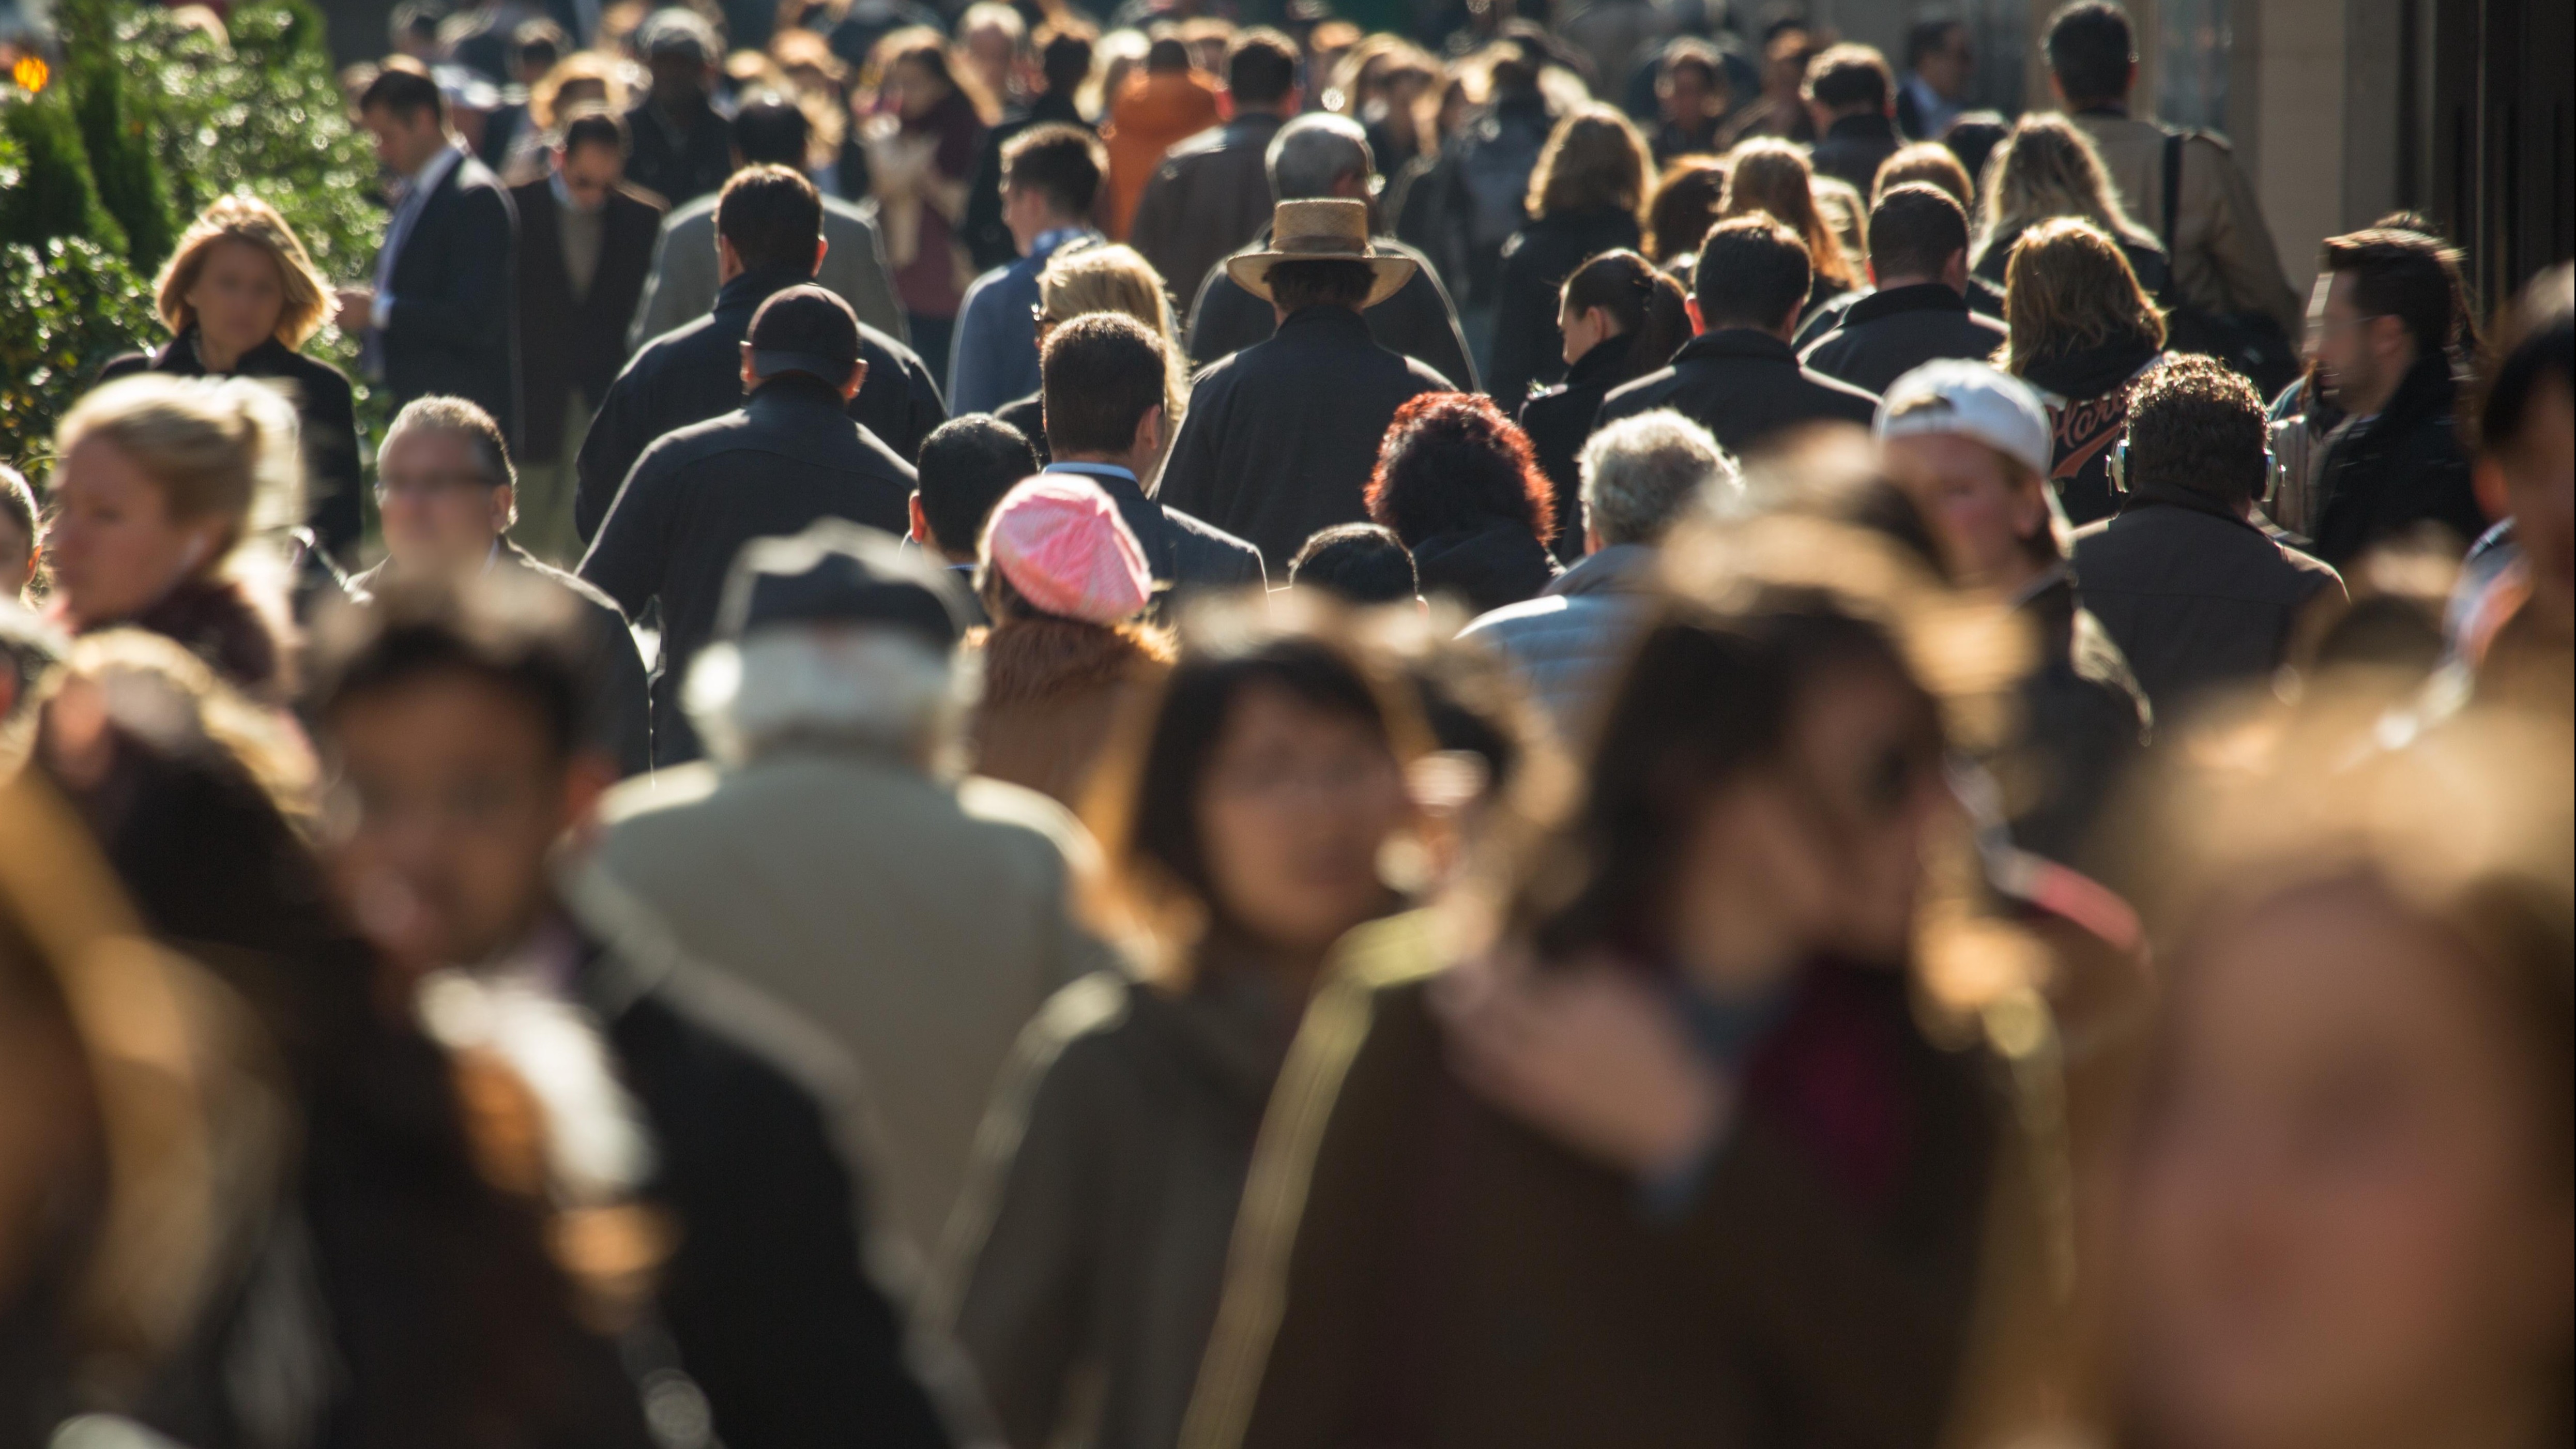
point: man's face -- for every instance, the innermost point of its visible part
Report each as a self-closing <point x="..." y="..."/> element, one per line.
<point x="677" y="77"/>
<point x="1686" y="95"/>
<point x="2535" y="475"/>
<point x="1947" y="68"/>
<point x="1982" y="509"/>
<point x="446" y="796"/>
<point x="441" y="508"/>
<point x="589" y="173"/>
<point x="2355" y="352"/>
<point x="404" y="142"/>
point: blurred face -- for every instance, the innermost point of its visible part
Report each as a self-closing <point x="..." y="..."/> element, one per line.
<point x="239" y="296"/>
<point x="988" y="48"/>
<point x="445" y="799"/>
<point x="2340" y="1232"/>
<point x="404" y="143"/>
<point x="441" y="510"/>
<point x="1946" y="69"/>
<point x="1585" y="330"/>
<point x="1687" y="94"/>
<point x="116" y="550"/>
<point x="1293" y="809"/>
<point x="2534" y="475"/>
<point x="677" y="78"/>
<point x="912" y="89"/>
<point x="1981" y="507"/>
<point x="2359" y="357"/>
<point x="589" y="173"/>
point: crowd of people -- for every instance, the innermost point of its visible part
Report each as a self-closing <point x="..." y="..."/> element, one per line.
<point x="1457" y="726"/>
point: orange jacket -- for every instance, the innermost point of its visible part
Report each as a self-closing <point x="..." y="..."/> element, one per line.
<point x="1152" y="111"/>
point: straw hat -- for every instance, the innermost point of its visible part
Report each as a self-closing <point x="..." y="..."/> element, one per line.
<point x="1321" y="231"/>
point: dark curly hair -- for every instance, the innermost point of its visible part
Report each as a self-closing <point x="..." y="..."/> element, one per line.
<point x="1453" y="456"/>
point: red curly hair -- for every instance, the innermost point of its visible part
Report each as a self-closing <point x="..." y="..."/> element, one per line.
<point x="1450" y="457"/>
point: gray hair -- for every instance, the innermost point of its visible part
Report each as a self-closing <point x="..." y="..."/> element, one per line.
<point x="464" y="419"/>
<point x="1640" y="474"/>
<point x="1314" y="151"/>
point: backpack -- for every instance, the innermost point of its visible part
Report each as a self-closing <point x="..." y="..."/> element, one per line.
<point x="2251" y="342"/>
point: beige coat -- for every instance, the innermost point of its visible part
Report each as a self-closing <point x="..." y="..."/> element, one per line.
<point x="2223" y="258"/>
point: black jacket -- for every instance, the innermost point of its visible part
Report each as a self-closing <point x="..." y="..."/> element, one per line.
<point x="568" y="343"/>
<point x="1184" y="552"/>
<point x="675" y="165"/>
<point x="787" y="457"/>
<point x="1742" y="385"/>
<point x="988" y="240"/>
<point x="1209" y="196"/>
<point x="1528" y="348"/>
<point x="1029" y="416"/>
<point x="1886" y="335"/>
<point x="624" y="728"/>
<point x="454" y="324"/>
<point x="1853" y="148"/>
<point x="694" y="373"/>
<point x="2087" y="395"/>
<point x="1559" y="419"/>
<point x="2399" y="469"/>
<point x="1418" y="320"/>
<point x="1475" y="195"/>
<point x="2084" y="722"/>
<point x="1281" y="437"/>
<point x="2195" y="596"/>
<point x="326" y="418"/>
<point x="1485" y="562"/>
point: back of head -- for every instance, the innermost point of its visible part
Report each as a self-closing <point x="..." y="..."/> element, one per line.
<point x="1752" y="272"/>
<point x="1973" y="138"/>
<point x="1104" y="278"/>
<point x="1063" y="162"/>
<point x="1358" y="563"/>
<point x="771" y="130"/>
<point x="966" y="465"/>
<point x="1772" y="175"/>
<point x="2068" y="286"/>
<point x="1648" y="305"/>
<point x="1313" y="154"/>
<point x="1685" y="206"/>
<point x="1928" y="162"/>
<point x="2092" y="53"/>
<point x="1451" y="460"/>
<point x="2197" y="426"/>
<point x="2409" y="276"/>
<point x="2536" y="344"/>
<point x="220" y="451"/>
<point x="1593" y="161"/>
<point x="1641" y="474"/>
<point x="1850" y="77"/>
<point x="1167" y="56"/>
<point x="1261" y="67"/>
<point x="1914" y="231"/>
<point x="1064" y="56"/>
<point x="2048" y="168"/>
<point x="1101" y="374"/>
<point x="772" y="217"/>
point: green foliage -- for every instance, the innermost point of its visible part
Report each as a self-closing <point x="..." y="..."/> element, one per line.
<point x="45" y="185"/>
<point x="66" y="307"/>
<point x="116" y="132"/>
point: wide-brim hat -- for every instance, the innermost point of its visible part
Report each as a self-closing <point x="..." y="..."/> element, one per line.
<point x="1331" y="230"/>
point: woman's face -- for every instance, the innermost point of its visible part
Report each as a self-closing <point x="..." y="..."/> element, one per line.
<point x="2342" y="1232"/>
<point x="1293" y="809"/>
<point x="1585" y="330"/>
<point x="912" y="89"/>
<point x="115" y="548"/>
<point x="238" y="297"/>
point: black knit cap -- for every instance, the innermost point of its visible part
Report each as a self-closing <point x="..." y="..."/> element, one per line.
<point x="839" y="572"/>
<point x="805" y="329"/>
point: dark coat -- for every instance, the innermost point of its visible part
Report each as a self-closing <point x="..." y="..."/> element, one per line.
<point x="2402" y="468"/>
<point x="217" y="620"/>
<point x="1281" y="437"/>
<point x="1741" y="385"/>
<point x="2195" y="596"/>
<point x="326" y="425"/>
<point x="787" y="457"/>
<point x="1528" y="348"/>
<point x="1475" y="195"/>
<point x="1559" y="419"/>
<point x="2087" y="395"/>
<point x="1210" y="195"/>
<point x="1184" y="552"/>
<point x="694" y="373"/>
<point x="2084" y="721"/>
<point x="1853" y="148"/>
<point x="625" y="727"/>
<point x="568" y="343"/>
<point x="1418" y="321"/>
<point x="454" y="328"/>
<point x="1886" y="335"/>
<point x="678" y="165"/>
<point x="1487" y="563"/>
<point x="1029" y="416"/>
<point x="988" y="240"/>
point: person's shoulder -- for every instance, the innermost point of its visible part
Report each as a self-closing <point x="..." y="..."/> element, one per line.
<point x="636" y="204"/>
<point x="584" y="592"/>
<point x="1192" y="151"/>
<point x="681" y="448"/>
<point x="1019" y="818"/>
<point x="1207" y="534"/>
<point x="127" y="364"/>
<point x="1640" y="394"/>
<point x="1424" y="376"/>
<point x="317" y="377"/>
<point x="473" y="178"/>
<point x="840" y="211"/>
<point x="1837" y="397"/>
<point x="1510" y="622"/>
<point x="697" y="213"/>
<point x="877" y="346"/>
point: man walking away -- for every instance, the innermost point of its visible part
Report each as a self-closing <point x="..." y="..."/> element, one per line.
<point x="1918" y="261"/>
<point x="1050" y="176"/>
<point x="1212" y="192"/>
<point x="829" y="855"/>
<point x="2196" y="593"/>
<point x="768" y="131"/>
<point x="683" y="144"/>
<point x="790" y="455"/>
<point x="440" y="317"/>
<point x="1314" y="157"/>
<point x="1738" y="378"/>
<point x="965" y="469"/>
<point x="1107" y="396"/>
<point x="1853" y="99"/>
<point x="585" y="248"/>
<point x="1280" y="438"/>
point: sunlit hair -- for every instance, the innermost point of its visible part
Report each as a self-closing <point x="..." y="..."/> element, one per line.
<point x="252" y="223"/>
<point x="1594" y="161"/>
<point x="2068" y="286"/>
<point x="1772" y="175"/>
<point x="587" y="66"/>
<point x="876" y="689"/>
<point x="2047" y="168"/>
<point x="1931" y="163"/>
<point x="1685" y="206"/>
<point x="1079" y="280"/>
<point x="221" y="450"/>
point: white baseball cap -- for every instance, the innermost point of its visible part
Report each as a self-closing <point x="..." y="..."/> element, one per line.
<point x="1970" y="399"/>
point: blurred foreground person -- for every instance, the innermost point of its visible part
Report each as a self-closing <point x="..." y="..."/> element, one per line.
<point x="829" y="855"/>
<point x="2520" y="631"/>
<point x="1648" y="1144"/>
<point x="1619" y="319"/>
<point x="458" y="759"/>
<point x="1357" y="563"/>
<point x="2353" y="1214"/>
<point x="1244" y="829"/>
<point x="1458" y="483"/>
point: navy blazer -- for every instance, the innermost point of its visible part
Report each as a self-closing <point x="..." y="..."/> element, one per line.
<point x="454" y="327"/>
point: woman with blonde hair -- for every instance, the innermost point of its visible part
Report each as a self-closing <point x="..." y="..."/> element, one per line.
<point x="1589" y="194"/>
<point x="241" y="298"/>
<point x="1773" y="176"/>
<point x="2080" y="328"/>
<point x="1106" y="277"/>
<point x="2047" y="168"/>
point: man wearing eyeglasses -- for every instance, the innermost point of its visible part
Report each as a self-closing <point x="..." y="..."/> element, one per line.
<point x="448" y="496"/>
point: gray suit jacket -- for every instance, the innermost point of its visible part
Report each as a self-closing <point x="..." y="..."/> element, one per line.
<point x="683" y="285"/>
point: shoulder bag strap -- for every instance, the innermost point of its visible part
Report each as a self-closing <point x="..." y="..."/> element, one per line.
<point x="2173" y="189"/>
